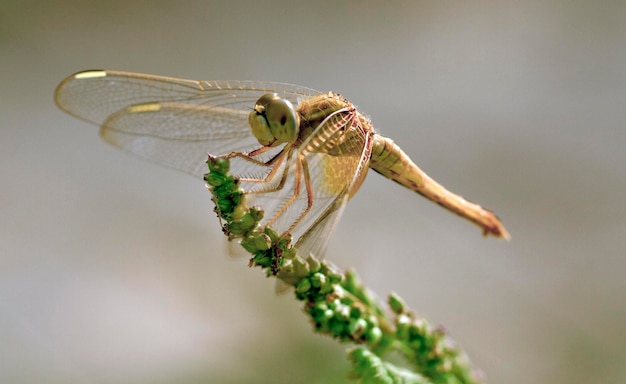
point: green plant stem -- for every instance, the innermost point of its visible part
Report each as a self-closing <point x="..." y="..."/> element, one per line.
<point x="337" y="303"/>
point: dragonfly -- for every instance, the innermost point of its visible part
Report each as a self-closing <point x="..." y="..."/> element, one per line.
<point x="300" y="154"/>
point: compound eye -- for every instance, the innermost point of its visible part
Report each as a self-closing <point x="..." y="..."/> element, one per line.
<point x="258" y="121"/>
<point x="282" y="119"/>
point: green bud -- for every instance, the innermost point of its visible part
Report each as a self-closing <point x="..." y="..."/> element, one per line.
<point x="318" y="279"/>
<point x="262" y="258"/>
<point x="257" y="213"/>
<point x="223" y="190"/>
<point x="373" y="335"/>
<point x="303" y="286"/>
<point x="214" y="179"/>
<point x="321" y="313"/>
<point x="314" y="264"/>
<point x="352" y="282"/>
<point x="326" y="287"/>
<point x="357" y="327"/>
<point x="418" y="329"/>
<point x="339" y="292"/>
<point x="402" y="327"/>
<point x="271" y="233"/>
<point x="284" y="242"/>
<point x="337" y="328"/>
<point x="218" y="165"/>
<point x="238" y="212"/>
<point x="290" y="253"/>
<point x="232" y="182"/>
<point x="241" y="226"/>
<point x="247" y="221"/>
<point x="333" y="303"/>
<point x="286" y="271"/>
<point x="237" y="198"/>
<point x="300" y="267"/>
<point x="249" y="244"/>
<point x="224" y="205"/>
<point x="262" y="242"/>
<point x="355" y="312"/>
<point x="233" y="229"/>
<point x="227" y="188"/>
<point x="334" y="276"/>
<point x="342" y="311"/>
<point x="256" y="242"/>
<point x="318" y="307"/>
<point x="396" y="303"/>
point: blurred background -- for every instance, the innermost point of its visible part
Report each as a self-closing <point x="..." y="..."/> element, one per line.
<point x="114" y="270"/>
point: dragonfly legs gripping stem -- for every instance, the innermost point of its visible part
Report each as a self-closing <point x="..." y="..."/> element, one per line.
<point x="301" y="173"/>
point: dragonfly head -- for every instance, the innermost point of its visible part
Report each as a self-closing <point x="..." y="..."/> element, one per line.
<point x="274" y="120"/>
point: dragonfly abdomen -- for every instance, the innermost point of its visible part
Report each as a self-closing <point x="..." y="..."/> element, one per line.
<point x="389" y="160"/>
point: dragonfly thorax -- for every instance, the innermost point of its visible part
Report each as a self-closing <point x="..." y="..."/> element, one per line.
<point x="274" y="120"/>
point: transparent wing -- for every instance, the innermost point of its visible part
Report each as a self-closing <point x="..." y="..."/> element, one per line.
<point x="344" y="169"/>
<point x="335" y="166"/>
<point x="174" y="122"/>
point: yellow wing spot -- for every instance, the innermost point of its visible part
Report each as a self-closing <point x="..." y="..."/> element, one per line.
<point x="148" y="107"/>
<point x="90" y="75"/>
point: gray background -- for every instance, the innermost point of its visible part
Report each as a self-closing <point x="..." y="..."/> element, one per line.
<point x="113" y="270"/>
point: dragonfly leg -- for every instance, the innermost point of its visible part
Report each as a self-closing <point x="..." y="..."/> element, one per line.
<point x="302" y="173"/>
<point x="296" y="193"/>
<point x="250" y="156"/>
<point x="274" y="163"/>
<point x="309" y="194"/>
